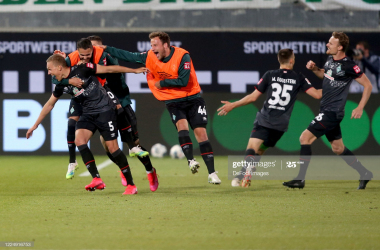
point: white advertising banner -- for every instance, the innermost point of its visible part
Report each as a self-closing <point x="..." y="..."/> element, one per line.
<point x="340" y="4"/>
<point x="128" y="5"/>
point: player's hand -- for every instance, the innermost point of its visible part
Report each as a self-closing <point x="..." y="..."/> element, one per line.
<point x="311" y="65"/>
<point x="30" y="131"/>
<point x="81" y="62"/>
<point x="63" y="54"/>
<point x="158" y="85"/>
<point x="102" y="46"/>
<point x="357" y="113"/>
<point x="227" y="107"/>
<point x="76" y="82"/>
<point x="141" y="70"/>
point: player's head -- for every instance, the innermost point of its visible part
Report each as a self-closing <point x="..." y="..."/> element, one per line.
<point x="363" y="46"/>
<point x="55" y="65"/>
<point x="160" y="43"/>
<point x="85" y="49"/>
<point x="95" y="40"/>
<point x="338" y="42"/>
<point x="286" y="57"/>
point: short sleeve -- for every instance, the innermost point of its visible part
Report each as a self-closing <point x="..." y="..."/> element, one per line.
<point x="353" y="70"/>
<point x="264" y="82"/>
<point x="305" y="83"/>
<point x="58" y="90"/>
<point x="89" y="69"/>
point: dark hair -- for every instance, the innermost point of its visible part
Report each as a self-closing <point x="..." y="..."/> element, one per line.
<point x="84" y="43"/>
<point x="284" y="55"/>
<point x="164" y="37"/>
<point x="57" y="60"/>
<point x="95" y="38"/>
<point x="344" y="41"/>
<point x="364" y="43"/>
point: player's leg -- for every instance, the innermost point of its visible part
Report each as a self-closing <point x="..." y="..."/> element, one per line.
<point x="75" y="111"/>
<point x="82" y="136"/>
<point x="107" y="126"/>
<point x="337" y="146"/>
<point x="143" y="156"/>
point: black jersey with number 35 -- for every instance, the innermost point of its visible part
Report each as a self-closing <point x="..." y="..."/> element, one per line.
<point x="93" y="97"/>
<point x="281" y="86"/>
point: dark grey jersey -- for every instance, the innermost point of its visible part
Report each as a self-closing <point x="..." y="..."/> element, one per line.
<point x="282" y="86"/>
<point x="93" y="97"/>
<point x="336" y="83"/>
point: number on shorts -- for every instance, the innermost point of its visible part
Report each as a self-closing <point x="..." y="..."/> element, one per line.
<point x="202" y="111"/>
<point x="111" y="126"/>
<point x="319" y="117"/>
<point x="110" y="94"/>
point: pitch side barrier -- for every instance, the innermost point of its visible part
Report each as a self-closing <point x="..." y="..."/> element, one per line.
<point x="229" y="134"/>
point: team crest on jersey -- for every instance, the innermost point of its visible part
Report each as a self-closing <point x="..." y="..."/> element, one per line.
<point x="338" y="69"/>
<point x="174" y="117"/>
<point x="72" y="110"/>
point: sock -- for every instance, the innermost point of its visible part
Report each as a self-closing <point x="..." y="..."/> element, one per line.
<point x="351" y="160"/>
<point x="207" y="155"/>
<point x="119" y="157"/>
<point x="111" y="157"/>
<point x="305" y="156"/>
<point x="250" y="157"/>
<point x="89" y="160"/>
<point x="146" y="162"/>
<point x="125" y="128"/>
<point x="186" y="144"/>
<point x="71" y="139"/>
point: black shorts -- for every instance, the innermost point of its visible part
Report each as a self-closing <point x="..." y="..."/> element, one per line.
<point x="194" y="111"/>
<point x="327" y="123"/>
<point x="111" y="95"/>
<point x="131" y="116"/>
<point x="105" y="122"/>
<point x="75" y="108"/>
<point x="268" y="135"/>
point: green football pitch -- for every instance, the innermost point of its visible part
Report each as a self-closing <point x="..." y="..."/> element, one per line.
<point x="38" y="204"/>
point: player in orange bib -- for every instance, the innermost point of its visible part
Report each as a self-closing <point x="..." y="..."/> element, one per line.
<point x="172" y="79"/>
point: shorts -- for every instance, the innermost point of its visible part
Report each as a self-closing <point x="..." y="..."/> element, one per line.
<point x="75" y="108"/>
<point x="327" y="123"/>
<point x="268" y="135"/>
<point x="194" y="111"/>
<point x="111" y="95"/>
<point x="131" y="116"/>
<point x="105" y="122"/>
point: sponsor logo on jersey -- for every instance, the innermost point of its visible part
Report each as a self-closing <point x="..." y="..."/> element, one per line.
<point x="113" y="135"/>
<point x="77" y="92"/>
<point x="90" y="65"/>
<point x="328" y="75"/>
<point x="186" y="65"/>
<point x="105" y="62"/>
<point x="357" y="69"/>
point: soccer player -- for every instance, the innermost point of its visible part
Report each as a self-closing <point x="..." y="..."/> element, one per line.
<point x="88" y="53"/>
<point x="117" y="86"/>
<point x="98" y="114"/>
<point x="337" y="74"/>
<point x="172" y="79"/>
<point x="282" y="86"/>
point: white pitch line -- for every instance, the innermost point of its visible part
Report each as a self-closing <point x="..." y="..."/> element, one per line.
<point x="100" y="166"/>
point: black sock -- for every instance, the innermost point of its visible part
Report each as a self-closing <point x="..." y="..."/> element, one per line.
<point x="186" y="144"/>
<point x="305" y="156"/>
<point x="71" y="139"/>
<point x="207" y="155"/>
<point x="125" y="128"/>
<point x="352" y="161"/>
<point x="89" y="160"/>
<point x="251" y="157"/>
<point x="146" y="161"/>
<point x="111" y="157"/>
<point x="119" y="157"/>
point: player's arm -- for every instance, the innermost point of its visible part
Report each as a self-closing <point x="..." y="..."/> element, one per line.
<point x="49" y="105"/>
<point x="315" y="93"/>
<point x="100" y="69"/>
<point x="183" y="75"/>
<point x="365" y="82"/>
<point x="317" y="71"/>
<point x="125" y="55"/>
<point x="228" y="106"/>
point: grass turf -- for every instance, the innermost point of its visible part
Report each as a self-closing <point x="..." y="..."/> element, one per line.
<point x="38" y="204"/>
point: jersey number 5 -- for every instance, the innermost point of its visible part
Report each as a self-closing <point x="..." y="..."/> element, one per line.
<point x="277" y="91"/>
